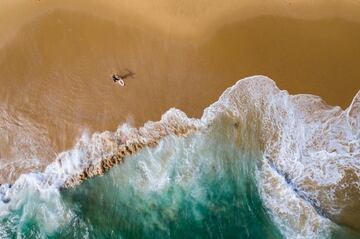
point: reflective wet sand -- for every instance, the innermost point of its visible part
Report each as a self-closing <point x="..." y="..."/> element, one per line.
<point x="57" y="58"/>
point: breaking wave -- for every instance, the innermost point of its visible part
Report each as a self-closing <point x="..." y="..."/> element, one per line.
<point x="260" y="163"/>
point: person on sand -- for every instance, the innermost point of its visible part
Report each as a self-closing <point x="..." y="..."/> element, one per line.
<point x="117" y="79"/>
<point x="120" y="78"/>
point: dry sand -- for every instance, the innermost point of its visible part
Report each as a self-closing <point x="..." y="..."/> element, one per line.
<point x="57" y="57"/>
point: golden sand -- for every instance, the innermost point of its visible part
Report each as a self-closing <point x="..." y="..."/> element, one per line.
<point x="57" y="57"/>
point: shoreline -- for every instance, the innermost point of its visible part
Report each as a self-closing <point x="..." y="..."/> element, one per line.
<point x="128" y="141"/>
<point x="56" y="70"/>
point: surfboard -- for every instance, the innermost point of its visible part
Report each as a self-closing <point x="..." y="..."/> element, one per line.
<point x="121" y="82"/>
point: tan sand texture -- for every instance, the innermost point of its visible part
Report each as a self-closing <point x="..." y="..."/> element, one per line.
<point x="57" y="58"/>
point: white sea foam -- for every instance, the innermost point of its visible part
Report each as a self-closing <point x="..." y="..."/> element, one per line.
<point x="313" y="146"/>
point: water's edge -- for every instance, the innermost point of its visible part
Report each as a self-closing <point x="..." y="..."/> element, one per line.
<point x="305" y="158"/>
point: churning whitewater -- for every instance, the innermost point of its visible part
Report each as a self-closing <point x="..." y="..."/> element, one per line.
<point x="260" y="163"/>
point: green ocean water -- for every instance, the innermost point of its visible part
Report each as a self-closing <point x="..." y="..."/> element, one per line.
<point x="204" y="189"/>
<point x="200" y="186"/>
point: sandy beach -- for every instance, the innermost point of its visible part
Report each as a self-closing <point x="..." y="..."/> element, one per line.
<point x="57" y="58"/>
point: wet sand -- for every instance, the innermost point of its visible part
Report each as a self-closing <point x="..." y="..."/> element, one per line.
<point x="57" y="59"/>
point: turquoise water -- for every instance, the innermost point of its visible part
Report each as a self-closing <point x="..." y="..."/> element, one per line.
<point x="194" y="187"/>
<point x="206" y="189"/>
